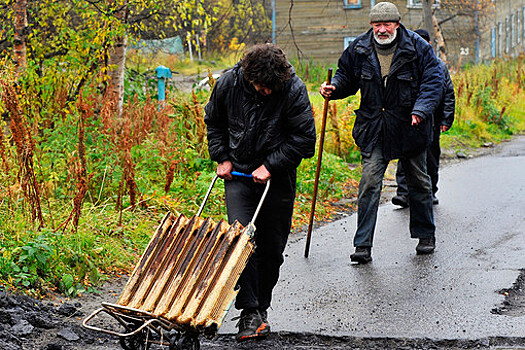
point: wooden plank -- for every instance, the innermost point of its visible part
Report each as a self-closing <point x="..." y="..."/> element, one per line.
<point x="207" y="313"/>
<point x="147" y="258"/>
<point x="179" y="291"/>
<point x="244" y="249"/>
<point x="204" y="280"/>
<point x="172" y="260"/>
<point x="218" y="253"/>
<point x="150" y="287"/>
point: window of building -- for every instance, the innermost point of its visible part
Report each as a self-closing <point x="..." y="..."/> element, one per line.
<point x="372" y="3"/>
<point x="352" y="4"/>
<point x="347" y="41"/>
<point x="417" y="3"/>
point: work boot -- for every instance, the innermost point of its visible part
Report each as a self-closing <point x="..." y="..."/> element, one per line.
<point x="426" y="245"/>
<point x="362" y="255"/>
<point x="401" y="200"/>
<point x="250" y="326"/>
<point x="435" y="200"/>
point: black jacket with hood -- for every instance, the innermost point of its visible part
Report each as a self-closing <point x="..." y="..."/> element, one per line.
<point x="414" y="86"/>
<point x="250" y="130"/>
<point x="445" y="111"/>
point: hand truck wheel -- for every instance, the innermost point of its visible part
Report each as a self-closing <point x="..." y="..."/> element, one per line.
<point x="137" y="341"/>
<point x="185" y="341"/>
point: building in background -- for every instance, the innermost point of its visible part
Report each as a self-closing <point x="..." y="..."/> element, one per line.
<point x="473" y="30"/>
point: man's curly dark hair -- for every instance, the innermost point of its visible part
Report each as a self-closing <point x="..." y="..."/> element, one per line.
<point x="266" y="65"/>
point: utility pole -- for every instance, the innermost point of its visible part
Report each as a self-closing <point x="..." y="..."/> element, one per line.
<point x="476" y="31"/>
<point x="273" y="22"/>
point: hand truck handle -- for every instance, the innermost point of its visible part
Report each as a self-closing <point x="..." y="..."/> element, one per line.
<point x="235" y="173"/>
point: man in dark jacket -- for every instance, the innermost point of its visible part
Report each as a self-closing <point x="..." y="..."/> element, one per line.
<point x="443" y="119"/>
<point x="260" y="122"/>
<point x="400" y="82"/>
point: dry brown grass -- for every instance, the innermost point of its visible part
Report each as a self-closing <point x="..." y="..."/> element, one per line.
<point x="23" y="139"/>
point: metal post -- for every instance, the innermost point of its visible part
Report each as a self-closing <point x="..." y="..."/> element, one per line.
<point x="162" y="89"/>
<point x="477" y="33"/>
<point x="163" y="73"/>
<point x="273" y="22"/>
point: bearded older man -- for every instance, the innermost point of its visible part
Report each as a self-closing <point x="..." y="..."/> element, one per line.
<point x="401" y="86"/>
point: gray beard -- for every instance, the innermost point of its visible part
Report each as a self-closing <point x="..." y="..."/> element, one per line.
<point x="386" y="41"/>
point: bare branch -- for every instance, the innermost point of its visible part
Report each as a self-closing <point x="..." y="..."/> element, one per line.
<point x="449" y="18"/>
<point x="95" y="3"/>
<point x="292" y="32"/>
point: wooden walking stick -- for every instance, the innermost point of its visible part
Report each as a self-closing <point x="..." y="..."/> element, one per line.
<point x="318" y="170"/>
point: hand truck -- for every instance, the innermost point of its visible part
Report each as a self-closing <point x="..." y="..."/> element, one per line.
<point x="184" y="283"/>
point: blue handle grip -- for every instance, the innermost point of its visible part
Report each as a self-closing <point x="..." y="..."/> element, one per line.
<point x="236" y="173"/>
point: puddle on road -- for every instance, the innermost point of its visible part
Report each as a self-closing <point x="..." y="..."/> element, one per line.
<point x="514" y="304"/>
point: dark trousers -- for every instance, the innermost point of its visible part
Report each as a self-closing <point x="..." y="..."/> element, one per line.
<point x="272" y="228"/>
<point x="421" y="214"/>
<point x="433" y="154"/>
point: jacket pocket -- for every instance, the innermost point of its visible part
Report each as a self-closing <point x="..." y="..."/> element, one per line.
<point x="363" y="131"/>
<point x="368" y="86"/>
<point x="406" y="89"/>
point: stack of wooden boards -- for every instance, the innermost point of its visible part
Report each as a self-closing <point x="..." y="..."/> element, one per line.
<point x="188" y="273"/>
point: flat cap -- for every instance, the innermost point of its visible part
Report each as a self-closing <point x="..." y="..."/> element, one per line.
<point x="384" y="12"/>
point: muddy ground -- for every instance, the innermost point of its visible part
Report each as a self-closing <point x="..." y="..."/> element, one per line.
<point x="55" y="324"/>
<point x="27" y="324"/>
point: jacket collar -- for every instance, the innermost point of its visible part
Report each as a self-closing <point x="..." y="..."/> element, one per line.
<point x="241" y="82"/>
<point x="405" y="52"/>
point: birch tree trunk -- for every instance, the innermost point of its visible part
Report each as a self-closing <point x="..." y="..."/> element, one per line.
<point x="19" y="42"/>
<point x="441" y="48"/>
<point x="117" y="63"/>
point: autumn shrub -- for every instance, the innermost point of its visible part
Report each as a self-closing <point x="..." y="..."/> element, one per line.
<point x="96" y="175"/>
<point x="489" y="104"/>
<point x="140" y="84"/>
<point x="312" y="73"/>
<point x="106" y="182"/>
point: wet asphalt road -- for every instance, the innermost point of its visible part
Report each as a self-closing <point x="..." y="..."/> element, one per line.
<point x="449" y="295"/>
<point x="401" y="300"/>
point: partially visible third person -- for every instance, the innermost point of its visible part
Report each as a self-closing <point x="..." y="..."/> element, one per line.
<point x="400" y="81"/>
<point x="443" y="119"/>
